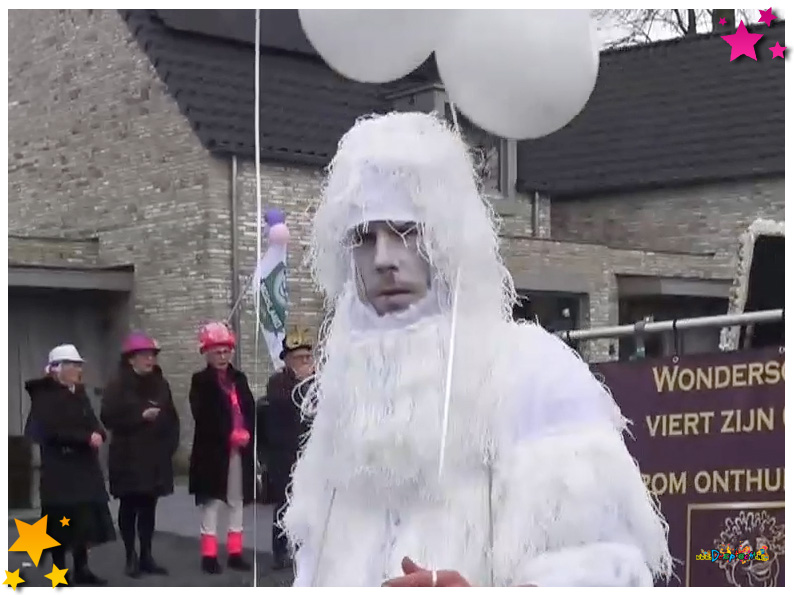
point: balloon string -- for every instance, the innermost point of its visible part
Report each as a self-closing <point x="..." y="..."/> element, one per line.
<point x="448" y="387"/>
<point x="257" y="165"/>
<point x="453" y="328"/>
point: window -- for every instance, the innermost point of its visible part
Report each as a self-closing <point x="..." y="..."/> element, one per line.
<point x="766" y="291"/>
<point x="553" y="311"/>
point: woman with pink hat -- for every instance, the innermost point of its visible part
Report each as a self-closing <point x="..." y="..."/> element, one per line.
<point x="139" y="411"/>
<point x="222" y="458"/>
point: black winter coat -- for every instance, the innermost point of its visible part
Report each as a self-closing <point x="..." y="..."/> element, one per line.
<point x="280" y="430"/>
<point x="70" y="469"/>
<point x="141" y="452"/>
<point x="212" y="414"/>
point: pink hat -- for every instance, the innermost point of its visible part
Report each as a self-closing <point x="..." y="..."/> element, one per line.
<point x="139" y="341"/>
<point x="215" y="334"/>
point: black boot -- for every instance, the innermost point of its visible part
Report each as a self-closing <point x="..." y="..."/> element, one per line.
<point x="149" y="566"/>
<point x="281" y="561"/>
<point x="82" y="573"/>
<point x="210" y="565"/>
<point x="132" y="568"/>
<point x="237" y="562"/>
<point x="84" y="576"/>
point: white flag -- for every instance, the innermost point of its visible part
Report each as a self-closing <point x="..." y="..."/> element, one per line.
<point x="270" y="288"/>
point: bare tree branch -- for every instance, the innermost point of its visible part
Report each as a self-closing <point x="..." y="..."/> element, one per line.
<point x="644" y="25"/>
<point x="679" y="21"/>
<point x="692" y="24"/>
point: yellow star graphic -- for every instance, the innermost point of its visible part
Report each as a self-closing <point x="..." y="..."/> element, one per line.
<point x="13" y="579"/>
<point x="33" y="539"/>
<point x="64" y="522"/>
<point x="57" y="576"/>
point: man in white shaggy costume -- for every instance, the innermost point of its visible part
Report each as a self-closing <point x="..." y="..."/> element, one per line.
<point x="537" y="487"/>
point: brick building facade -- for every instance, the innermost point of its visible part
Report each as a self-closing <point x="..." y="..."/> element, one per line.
<point x="125" y="150"/>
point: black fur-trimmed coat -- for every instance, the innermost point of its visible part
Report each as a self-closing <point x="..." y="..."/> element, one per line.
<point x="212" y="414"/>
<point x="140" y="459"/>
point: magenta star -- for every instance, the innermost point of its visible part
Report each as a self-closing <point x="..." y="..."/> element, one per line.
<point x="723" y="21"/>
<point x="742" y="43"/>
<point x="777" y="50"/>
<point x="767" y="17"/>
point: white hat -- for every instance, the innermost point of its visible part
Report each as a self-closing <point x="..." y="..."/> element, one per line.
<point x="65" y="353"/>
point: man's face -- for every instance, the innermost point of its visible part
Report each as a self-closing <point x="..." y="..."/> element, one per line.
<point x="392" y="272"/>
<point x="300" y="362"/>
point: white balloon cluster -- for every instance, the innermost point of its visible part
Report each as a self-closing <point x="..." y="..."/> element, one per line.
<point x="516" y="73"/>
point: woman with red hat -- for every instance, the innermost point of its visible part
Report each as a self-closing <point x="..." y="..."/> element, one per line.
<point x="222" y="458"/>
<point x="139" y="410"/>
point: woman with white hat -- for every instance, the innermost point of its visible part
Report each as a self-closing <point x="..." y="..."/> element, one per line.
<point x="72" y="484"/>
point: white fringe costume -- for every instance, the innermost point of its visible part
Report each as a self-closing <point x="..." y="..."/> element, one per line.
<point x="538" y="487"/>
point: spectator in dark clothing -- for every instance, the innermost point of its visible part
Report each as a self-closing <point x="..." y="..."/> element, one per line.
<point x="72" y="484"/>
<point x="139" y="411"/>
<point x="222" y="459"/>
<point x="281" y="428"/>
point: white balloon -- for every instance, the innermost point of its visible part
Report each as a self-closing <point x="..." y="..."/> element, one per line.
<point x="519" y="73"/>
<point x="373" y="46"/>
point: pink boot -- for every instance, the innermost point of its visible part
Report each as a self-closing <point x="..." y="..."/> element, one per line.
<point x="234" y="545"/>
<point x="209" y="554"/>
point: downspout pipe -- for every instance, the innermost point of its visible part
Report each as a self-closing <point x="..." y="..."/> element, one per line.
<point x="235" y="249"/>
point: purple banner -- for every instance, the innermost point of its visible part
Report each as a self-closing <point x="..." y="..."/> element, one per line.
<point x="709" y="438"/>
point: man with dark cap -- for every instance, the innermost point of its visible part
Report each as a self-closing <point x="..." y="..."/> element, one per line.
<point x="280" y="427"/>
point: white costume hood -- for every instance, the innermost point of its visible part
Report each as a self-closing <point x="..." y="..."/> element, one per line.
<point x="411" y="167"/>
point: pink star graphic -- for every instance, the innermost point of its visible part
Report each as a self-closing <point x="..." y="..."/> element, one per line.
<point x="777" y="50"/>
<point x="742" y="43"/>
<point x="723" y="21"/>
<point x="767" y="17"/>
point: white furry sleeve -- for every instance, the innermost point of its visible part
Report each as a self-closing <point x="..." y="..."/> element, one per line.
<point x="304" y="567"/>
<point x="570" y="506"/>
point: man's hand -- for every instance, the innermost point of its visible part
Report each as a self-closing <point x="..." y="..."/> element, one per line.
<point x="151" y="413"/>
<point x="416" y="576"/>
<point x="96" y="440"/>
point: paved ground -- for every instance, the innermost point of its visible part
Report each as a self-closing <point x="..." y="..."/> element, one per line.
<point x="176" y="546"/>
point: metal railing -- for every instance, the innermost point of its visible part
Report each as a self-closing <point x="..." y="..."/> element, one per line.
<point x="664" y="326"/>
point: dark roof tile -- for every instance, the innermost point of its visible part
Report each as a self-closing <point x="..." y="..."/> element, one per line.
<point x="673" y="112"/>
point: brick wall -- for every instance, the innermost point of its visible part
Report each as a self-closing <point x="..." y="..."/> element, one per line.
<point x="697" y="219"/>
<point x="96" y="148"/>
<point x="598" y="266"/>
<point x="291" y="189"/>
<point x="52" y="251"/>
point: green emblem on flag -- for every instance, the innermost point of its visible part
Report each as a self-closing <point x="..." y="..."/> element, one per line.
<point x="273" y="296"/>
